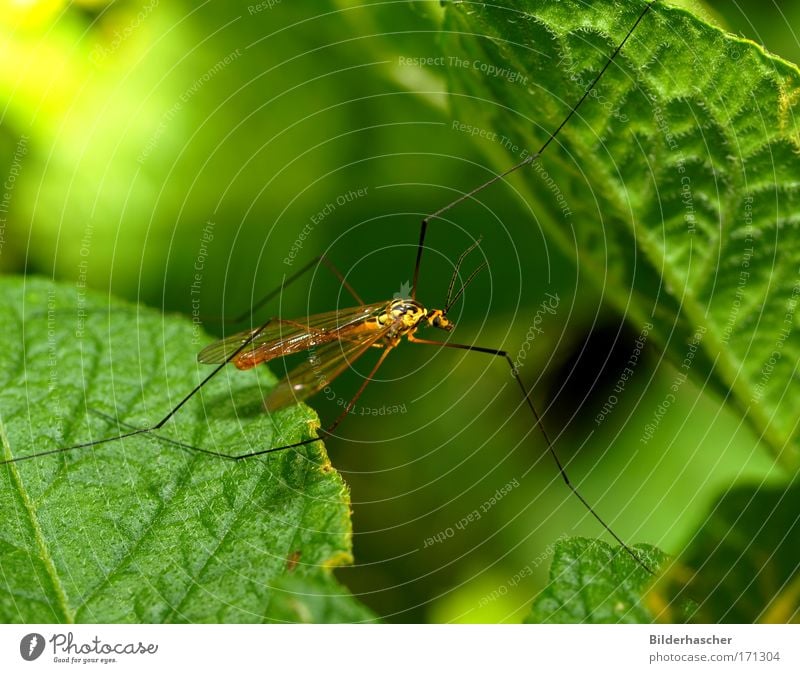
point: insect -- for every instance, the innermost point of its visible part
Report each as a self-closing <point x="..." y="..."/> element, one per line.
<point x="336" y="339"/>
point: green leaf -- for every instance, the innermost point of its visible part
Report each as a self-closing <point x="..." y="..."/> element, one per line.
<point x="742" y="566"/>
<point x="675" y="184"/>
<point x="591" y="582"/>
<point x="140" y="530"/>
<point x="315" y="600"/>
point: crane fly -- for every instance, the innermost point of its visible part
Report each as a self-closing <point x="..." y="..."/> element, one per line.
<point x="336" y="339"/>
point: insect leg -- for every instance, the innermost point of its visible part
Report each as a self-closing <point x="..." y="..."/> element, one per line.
<point x="151" y="428"/>
<point x="288" y="281"/>
<point x="327" y="431"/>
<point x="538" y="421"/>
<point x="424" y="225"/>
<point x="151" y="431"/>
<point x="530" y="158"/>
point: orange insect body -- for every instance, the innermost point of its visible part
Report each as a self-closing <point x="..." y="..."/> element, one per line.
<point x="334" y="339"/>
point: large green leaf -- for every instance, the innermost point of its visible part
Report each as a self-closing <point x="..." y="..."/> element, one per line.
<point x="675" y="185"/>
<point x="140" y="530"/>
<point x="591" y="582"/>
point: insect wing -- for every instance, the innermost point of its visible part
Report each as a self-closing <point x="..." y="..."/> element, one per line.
<point x="323" y="365"/>
<point x="287" y="336"/>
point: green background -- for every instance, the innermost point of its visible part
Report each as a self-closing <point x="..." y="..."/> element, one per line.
<point x="254" y="121"/>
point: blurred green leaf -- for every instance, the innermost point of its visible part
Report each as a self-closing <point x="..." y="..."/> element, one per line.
<point x="742" y="565"/>
<point x="591" y="582"/>
<point x="140" y="530"/>
<point x="677" y="177"/>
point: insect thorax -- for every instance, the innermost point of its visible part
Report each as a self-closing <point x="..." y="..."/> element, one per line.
<point x="405" y="314"/>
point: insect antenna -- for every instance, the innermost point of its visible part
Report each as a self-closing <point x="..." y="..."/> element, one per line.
<point x="458" y="268"/>
<point x="464" y="286"/>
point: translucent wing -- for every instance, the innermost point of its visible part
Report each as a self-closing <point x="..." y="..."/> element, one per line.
<point x="284" y="337"/>
<point x="323" y="365"/>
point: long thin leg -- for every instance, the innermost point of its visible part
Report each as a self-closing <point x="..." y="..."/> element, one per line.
<point x="150" y="428"/>
<point x="288" y="281"/>
<point x="327" y="431"/>
<point x="503" y="354"/>
<point x="527" y="160"/>
<point x="174" y="410"/>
